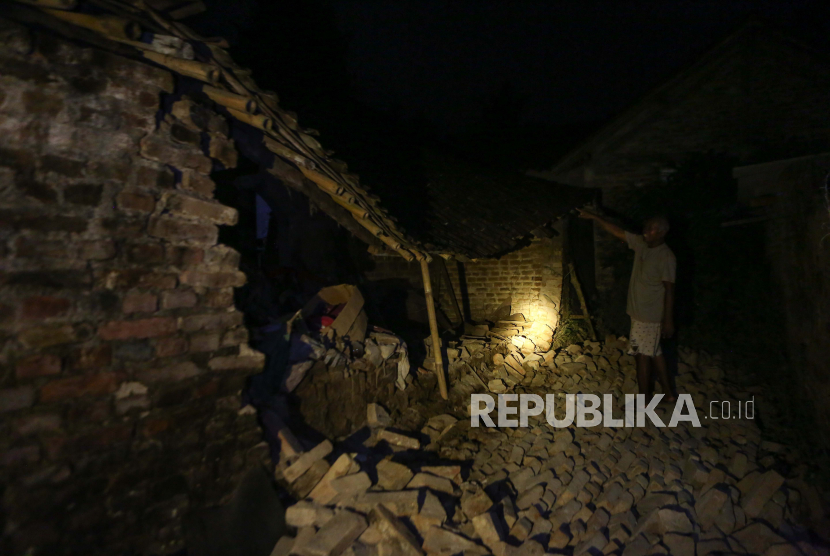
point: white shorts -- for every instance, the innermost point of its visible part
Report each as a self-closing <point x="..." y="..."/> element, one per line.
<point x="645" y="338"/>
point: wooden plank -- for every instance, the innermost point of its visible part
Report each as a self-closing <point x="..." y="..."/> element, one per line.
<point x="585" y="314"/>
<point x="433" y="327"/>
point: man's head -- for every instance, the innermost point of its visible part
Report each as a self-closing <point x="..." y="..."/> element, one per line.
<point x="655" y="230"/>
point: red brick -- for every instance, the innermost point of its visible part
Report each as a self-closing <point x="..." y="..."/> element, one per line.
<point x="171" y="373"/>
<point x="155" y="148"/>
<point x="145" y="253"/>
<point x="78" y="386"/>
<point x="152" y="427"/>
<point x="212" y="321"/>
<point x="140" y="302"/>
<point x="178" y="298"/>
<point x="204" y="342"/>
<point x="89" y="410"/>
<point x="91" y="442"/>
<point x="190" y="207"/>
<point x="136" y="200"/>
<point x="12" y="399"/>
<point x="207" y="390"/>
<point x="174" y="229"/>
<point x="198" y="183"/>
<point x="37" y="366"/>
<point x="213" y="279"/>
<point x="45" y="336"/>
<point x="180" y="256"/>
<point x="90" y="357"/>
<point x="42" y="102"/>
<point x="143" y="328"/>
<point x="170" y="347"/>
<point x="43" y="307"/>
<point x="37" y="423"/>
<point x="235" y="337"/>
<point x="35" y="248"/>
<point x="21" y="455"/>
<point x="159" y="177"/>
<point x="123" y="227"/>
<point x="234" y="362"/>
<point x="64" y="166"/>
<point x="97" y="250"/>
<point x="158" y="280"/>
<point x="223" y="149"/>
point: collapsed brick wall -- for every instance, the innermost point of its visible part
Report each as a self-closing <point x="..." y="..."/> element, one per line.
<point x="121" y="354"/>
<point x="333" y="401"/>
<point x="529" y="280"/>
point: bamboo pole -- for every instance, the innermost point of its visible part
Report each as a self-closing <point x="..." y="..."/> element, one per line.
<point x="357" y="211"/>
<point x="257" y="120"/>
<point x="287" y="153"/>
<point x="581" y="296"/>
<point x="52" y="4"/>
<point x="189" y="68"/>
<point x="111" y="26"/>
<point x="230" y="100"/>
<point x="433" y="328"/>
<point x="326" y="184"/>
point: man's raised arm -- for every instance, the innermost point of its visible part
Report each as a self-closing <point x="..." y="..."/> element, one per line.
<point x="606" y="225"/>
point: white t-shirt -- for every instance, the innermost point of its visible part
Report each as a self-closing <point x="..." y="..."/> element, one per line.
<point x="652" y="267"/>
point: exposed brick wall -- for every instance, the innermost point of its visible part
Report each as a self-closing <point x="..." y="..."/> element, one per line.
<point x="761" y="99"/>
<point x="121" y="354"/>
<point x="529" y="279"/>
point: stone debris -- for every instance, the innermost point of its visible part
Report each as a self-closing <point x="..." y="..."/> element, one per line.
<point x="306" y="460"/>
<point x="337" y="535"/>
<point x="399" y="439"/>
<point x="376" y="416"/>
<point x="398" y="538"/>
<point x="539" y="489"/>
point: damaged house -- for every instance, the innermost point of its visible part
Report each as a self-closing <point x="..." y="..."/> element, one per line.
<point x="123" y="353"/>
<point x="185" y="301"/>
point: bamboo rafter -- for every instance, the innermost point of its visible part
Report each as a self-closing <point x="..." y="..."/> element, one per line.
<point x="232" y="87"/>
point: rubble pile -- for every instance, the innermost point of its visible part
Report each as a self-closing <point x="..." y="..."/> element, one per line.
<point x="435" y="485"/>
<point x="330" y="362"/>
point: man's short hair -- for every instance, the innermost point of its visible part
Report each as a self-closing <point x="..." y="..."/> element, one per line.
<point x="662" y="223"/>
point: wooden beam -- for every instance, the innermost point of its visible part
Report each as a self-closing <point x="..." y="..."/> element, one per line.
<point x="294" y="179"/>
<point x="581" y="296"/>
<point x="433" y="328"/>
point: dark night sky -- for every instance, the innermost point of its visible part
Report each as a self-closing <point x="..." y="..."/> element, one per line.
<point x="568" y="61"/>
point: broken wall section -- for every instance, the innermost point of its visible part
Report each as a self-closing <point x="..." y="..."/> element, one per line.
<point x="121" y="354"/>
<point x="528" y="281"/>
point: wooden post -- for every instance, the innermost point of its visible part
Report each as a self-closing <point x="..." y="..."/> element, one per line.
<point x="581" y="296"/>
<point x="433" y="328"/>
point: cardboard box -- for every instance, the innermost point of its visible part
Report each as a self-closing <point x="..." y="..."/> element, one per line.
<point x="352" y="320"/>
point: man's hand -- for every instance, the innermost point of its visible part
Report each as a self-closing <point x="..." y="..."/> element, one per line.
<point x="668" y="329"/>
<point x="587" y="215"/>
<point x="613" y="229"/>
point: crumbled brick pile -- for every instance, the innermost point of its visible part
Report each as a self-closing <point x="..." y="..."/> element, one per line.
<point x="452" y="489"/>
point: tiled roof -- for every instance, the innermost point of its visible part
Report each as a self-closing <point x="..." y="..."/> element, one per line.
<point x="480" y="213"/>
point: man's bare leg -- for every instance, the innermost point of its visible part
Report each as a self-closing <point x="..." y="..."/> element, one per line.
<point x="663" y="377"/>
<point x="644" y="375"/>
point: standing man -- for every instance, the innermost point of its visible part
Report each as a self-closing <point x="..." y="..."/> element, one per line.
<point x="650" y="298"/>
